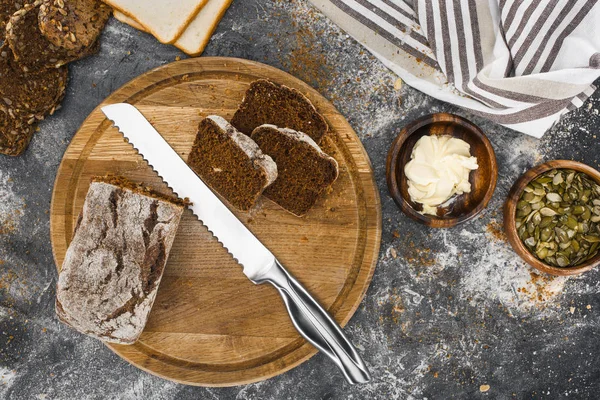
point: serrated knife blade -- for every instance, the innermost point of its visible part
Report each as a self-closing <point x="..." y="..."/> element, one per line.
<point x="258" y="263"/>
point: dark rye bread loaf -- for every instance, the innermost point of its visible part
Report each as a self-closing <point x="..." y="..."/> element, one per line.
<point x="266" y="102"/>
<point x="114" y="264"/>
<point x="29" y="95"/>
<point x="231" y="163"/>
<point x="15" y="134"/>
<point x="31" y="49"/>
<point x="304" y="170"/>
<point x="73" y="24"/>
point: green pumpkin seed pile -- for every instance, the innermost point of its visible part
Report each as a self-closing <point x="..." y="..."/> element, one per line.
<point x="558" y="217"/>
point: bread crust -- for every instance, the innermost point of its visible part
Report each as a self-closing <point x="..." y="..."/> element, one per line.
<point x="8" y="8"/>
<point x="115" y="261"/>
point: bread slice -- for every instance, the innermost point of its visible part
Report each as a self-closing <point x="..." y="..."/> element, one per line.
<point x="129" y="21"/>
<point x="29" y="95"/>
<point x="8" y="8"/>
<point x="231" y="163"/>
<point x="73" y="24"/>
<point x="166" y="19"/>
<point x="197" y="35"/>
<point x="266" y="102"/>
<point x="31" y="49"/>
<point x="15" y="133"/>
<point x="115" y="262"/>
<point x="305" y="171"/>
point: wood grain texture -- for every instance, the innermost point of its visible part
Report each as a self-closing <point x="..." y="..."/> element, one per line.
<point x="510" y="222"/>
<point x="210" y="325"/>
<point x="483" y="180"/>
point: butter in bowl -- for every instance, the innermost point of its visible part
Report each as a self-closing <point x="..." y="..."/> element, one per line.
<point x="441" y="170"/>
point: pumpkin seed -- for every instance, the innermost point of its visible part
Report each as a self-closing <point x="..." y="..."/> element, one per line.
<point x="562" y="261"/>
<point x="591" y="238"/>
<point x="547" y="221"/>
<point x="578" y="210"/>
<point x="554" y="197"/>
<point x="548" y="212"/>
<point x="558" y="179"/>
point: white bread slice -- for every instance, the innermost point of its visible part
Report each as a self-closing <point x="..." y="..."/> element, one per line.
<point x="195" y="38"/>
<point x="129" y="21"/>
<point x="165" y="19"/>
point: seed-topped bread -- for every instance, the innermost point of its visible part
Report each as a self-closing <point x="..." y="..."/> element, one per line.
<point x="73" y="24"/>
<point x="266" y="102"/>
<point x="304" y="170"/>
<point x="115" y="261"/>
<point x="31" y="49"/>
<point x="15" y="134"/>
<point x="231" y="163"/>
<point x="8" y="8"/>
<point x="29" y="95"/>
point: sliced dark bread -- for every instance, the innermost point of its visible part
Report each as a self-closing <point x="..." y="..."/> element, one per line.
<point x="31" y="49"/>
<point x="266" y="102"/>
<point x="231" y="163"/>
<point x="115" y="261"/>
<point x="15" y="134"/>
<point x="304" y="170"/>
<point x="29" y="95"/>
<point x="73" y="24"/>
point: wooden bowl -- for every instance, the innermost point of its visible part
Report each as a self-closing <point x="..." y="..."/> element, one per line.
<point x="510" y="209"/>
<point x="483" y="180"/>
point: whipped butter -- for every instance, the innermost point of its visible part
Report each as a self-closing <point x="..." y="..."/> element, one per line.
<point x="438" y="169"/>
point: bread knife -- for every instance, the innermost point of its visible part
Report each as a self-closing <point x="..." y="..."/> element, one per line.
<point x="259" y="264"/>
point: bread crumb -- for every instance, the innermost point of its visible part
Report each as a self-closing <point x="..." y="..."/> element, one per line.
<point x="589" y="307"/>
<point x="484" y="388"/>
<point x="572" y="310"/>
<point x="393" y="253"/>
<point x="398" y="84"/>
<point x="177" y="58"/>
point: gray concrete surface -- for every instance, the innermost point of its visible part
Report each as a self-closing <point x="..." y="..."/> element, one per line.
<point x="448" y="310"/>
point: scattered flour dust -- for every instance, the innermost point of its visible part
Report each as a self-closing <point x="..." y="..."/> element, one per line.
<point x="495" y="273"/>
<point x="11" y="207"/>
<point x="6" y="379"/>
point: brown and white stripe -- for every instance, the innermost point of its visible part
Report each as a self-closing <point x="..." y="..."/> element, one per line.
<point x="521" y="63"/>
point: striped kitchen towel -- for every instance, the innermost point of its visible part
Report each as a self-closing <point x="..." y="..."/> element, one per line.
<point x="520" y="63"/>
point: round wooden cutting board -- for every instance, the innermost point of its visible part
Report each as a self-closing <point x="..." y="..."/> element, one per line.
<point x="210" y="325"/>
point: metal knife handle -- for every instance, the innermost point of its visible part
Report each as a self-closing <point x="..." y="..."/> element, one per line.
<point x="315" y="325"/>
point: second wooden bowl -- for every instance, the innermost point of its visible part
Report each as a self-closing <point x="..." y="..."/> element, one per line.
<point x="483" y="180"/>
<point x="510" y="209"/>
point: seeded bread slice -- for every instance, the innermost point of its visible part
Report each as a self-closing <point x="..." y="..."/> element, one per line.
<point x="266" y="102"/>
<point x="15" y="134"/>
<point x="231" y="163"/>
<point x="305" y="171"/>
<point x="115" y="262"/>
<point x="29" y="95"/>
<point x="8" y="8"/>
<point x="73" y="24"/>
<point x="31" y="49"/>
